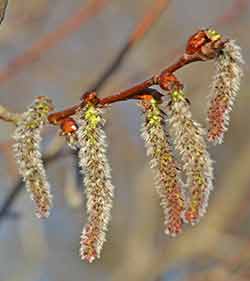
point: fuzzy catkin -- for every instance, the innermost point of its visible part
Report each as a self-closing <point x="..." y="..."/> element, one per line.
<point x="97" y="180"/>
<point x="189" y="142"/>
<point x="167" y="179"/>
<point x="28" y="156"/>
<point x="225" y="87"/>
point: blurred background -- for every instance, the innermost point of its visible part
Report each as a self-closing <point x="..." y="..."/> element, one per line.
<point x="136" y="248"/>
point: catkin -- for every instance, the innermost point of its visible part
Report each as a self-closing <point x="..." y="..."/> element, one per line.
<point x="97" y="180"/>
<point x="28" y="156"/>
<point x="167" y="179"/>
<point x="189" y="142"/>
<point x="225" y="87"/>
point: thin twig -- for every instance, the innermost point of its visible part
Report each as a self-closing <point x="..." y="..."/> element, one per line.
<point x="205" y="50"/>
<point x="151" y="16"/>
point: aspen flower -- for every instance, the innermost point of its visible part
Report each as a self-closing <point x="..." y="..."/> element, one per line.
<point x="167" y="179"/>
<point x="28" y="156"/>
<point x="189" y="142"/>
<point x="97" y="180"/>
<point x="225" y="87"/>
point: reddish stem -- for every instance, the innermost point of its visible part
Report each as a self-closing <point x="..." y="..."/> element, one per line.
<point x="207" y="50"/>
<point x="129" y="93"/>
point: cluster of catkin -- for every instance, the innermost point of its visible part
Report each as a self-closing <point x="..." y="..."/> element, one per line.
<point x="175" y="143"/>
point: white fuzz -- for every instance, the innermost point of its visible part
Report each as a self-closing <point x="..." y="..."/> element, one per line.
<point x="225" y="87"/>
<point x="167" y="179"/>
<point x="189" y="142"/>
<point x="28" y="156"/>
<point x="97" y="180"/>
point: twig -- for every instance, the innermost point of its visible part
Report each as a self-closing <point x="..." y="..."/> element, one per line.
<point x="141" y="29"/>
<point x="205" y="49"/>
<point x="151" y="16"/>
<point x="71" y="25"/>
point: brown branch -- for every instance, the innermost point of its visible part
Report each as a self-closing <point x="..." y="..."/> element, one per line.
<point x="200" y="47"/>
<point x="49" y="41"/>
<point x="142" y="28"/>
<point x="231" y="14"/>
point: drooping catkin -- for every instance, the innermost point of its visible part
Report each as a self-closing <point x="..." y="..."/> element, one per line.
<point x="97" y="180"/>
<point x="28" y="156"/>
<point x="167" y="179"/>
<point x="225" y="87"/>
<point x="189" y="142"/>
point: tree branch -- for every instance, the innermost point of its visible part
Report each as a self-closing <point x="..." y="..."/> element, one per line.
<point x="150" y="17"/>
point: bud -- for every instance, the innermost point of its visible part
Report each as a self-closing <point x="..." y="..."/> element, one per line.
<point x="225" y="87"/>
<point x="97" y="180"/>
<point x="167" y="179"/>
<point x="28" y="156"/>
<point x="189" y="142"/>
<point x="68" y="129"/>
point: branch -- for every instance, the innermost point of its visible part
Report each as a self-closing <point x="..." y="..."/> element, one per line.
<point x="150" y="17"/>
<point x="200" y="47"/>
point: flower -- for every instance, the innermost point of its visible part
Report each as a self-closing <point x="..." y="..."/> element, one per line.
<point x="97" y="180"/>
<point x="189" y="142"/>
<point x="28" y="156"/>
<point x="167" y="180"/>
<point x="225" y="87"/>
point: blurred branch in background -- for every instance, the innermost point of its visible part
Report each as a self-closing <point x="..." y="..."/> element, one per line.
<point x="234" y="12"/>
<point x="150" y="17"/>
<point x="231" y="14"/>
<point x="53" y="153"/>
<point x="71" y="25"/>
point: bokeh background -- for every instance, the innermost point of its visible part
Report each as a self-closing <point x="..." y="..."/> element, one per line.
<point x="136" y="248"/>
